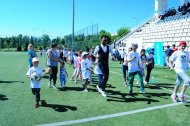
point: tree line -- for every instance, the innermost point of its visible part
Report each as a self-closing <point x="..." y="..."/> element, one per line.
<point x="20" y="42"/>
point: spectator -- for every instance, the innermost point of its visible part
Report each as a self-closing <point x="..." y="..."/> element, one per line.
<point x="168" y="53"/>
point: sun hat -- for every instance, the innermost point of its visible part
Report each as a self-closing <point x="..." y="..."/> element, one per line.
<point x="35" y="59"/>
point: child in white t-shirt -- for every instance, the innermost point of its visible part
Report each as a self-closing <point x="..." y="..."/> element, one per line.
<point x="179" y="62"/>
<point x="85" y="70"/>
<point x="35" y="74"/>
<point x="133" y="59"/>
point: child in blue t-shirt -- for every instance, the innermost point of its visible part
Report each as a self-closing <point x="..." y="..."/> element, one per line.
<point x="63" y="75"/>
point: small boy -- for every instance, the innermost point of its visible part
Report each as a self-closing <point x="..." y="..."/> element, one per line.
<point x="63" y="75"/>
<point x="179" y="62"/>
<point x="35" y="74"/>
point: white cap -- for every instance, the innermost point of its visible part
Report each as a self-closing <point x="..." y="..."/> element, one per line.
<point x="83" y="54"/>
<point x="35" y="59"/>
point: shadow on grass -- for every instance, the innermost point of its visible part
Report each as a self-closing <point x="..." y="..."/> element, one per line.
<point x="76" y="89"/>
<point x="61" y="108"/>
<point x="162" y="85"/>
<point x="3" y="97"/>
<point x="46" y="77"/>
<point x="122" y="97"/>
<point x="11" y="81"/>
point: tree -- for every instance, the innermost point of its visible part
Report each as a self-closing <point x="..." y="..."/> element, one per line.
<point x="46" y="40"/>
<point x="123" y="31"/>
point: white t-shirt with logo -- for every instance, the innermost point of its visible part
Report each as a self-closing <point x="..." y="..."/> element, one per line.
<point x="133" y="65"/>
<point x="180" y="59"/>
<point x="35" y="84"/>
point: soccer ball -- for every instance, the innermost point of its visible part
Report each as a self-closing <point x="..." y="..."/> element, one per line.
<point x="35" y="76"/>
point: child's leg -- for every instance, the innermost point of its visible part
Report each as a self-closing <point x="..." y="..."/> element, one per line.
<point x="37" y="95"/>
<point x="131" y="79"/>
<point x="65" y="80"/>
<point x="177" y="85"/>
<point x="186" y="80"/>
<point x="140" y="79"/>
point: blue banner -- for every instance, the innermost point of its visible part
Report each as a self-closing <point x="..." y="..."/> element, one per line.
<point x="158" y="53"/>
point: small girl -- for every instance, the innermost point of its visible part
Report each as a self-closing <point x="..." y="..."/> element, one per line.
<point x="35" y="81"/>
<point x="142" y="61"/>
<point x="63" y="75"/>
<point x="85" y="71"/>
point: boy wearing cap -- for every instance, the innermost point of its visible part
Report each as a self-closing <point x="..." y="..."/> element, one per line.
<point x="179" y="62"/>
<point x="133" y="59"/>
<point x="35" y="83"/>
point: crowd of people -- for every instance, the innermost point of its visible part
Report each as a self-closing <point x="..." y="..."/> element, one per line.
<point x="181" y="9"/>
<point x="97" y="61"/>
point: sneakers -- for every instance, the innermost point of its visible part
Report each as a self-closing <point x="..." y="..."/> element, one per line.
<point x="49" y="84"/>
<point x="54" y="87"/>
<point x="142" y="91"/>
<point x="103" y="93"/>
<point x="181" y="97"/>
<point x="75" y="81"/>
<point x="85" y="90"/>
<point x="146" y="82"/>
<point x="99" y="89"/>
<point x="125" y="83"/>
<point x="61" y="86"/>
<point x="174" y="99"/>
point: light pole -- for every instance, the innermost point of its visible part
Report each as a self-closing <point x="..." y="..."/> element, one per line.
<point x="73" y="25"/>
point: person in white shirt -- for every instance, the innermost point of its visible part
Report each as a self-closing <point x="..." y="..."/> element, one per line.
<point x="102" y="69"/>
<point x="133" y="59"/>
<point x="179" y="62"/>
<point x="35" y="74"/>
<point x="123" y="53"/>
<point x="85" y="67"/>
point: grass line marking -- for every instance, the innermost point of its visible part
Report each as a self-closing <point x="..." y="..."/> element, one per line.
<point x="111" y="115"/>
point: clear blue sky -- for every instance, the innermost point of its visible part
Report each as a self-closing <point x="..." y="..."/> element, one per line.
<point x="54" y="17"/>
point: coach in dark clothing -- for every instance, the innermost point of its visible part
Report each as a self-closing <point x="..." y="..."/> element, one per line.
<point x="102" y="53"/>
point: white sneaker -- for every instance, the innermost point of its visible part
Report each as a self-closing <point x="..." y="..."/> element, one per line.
<point x="85" y="90"/>
<point x="49" y="84"/>
<point x="173" y="96"/>
<point x="61" y="86"/>
<point x="75" y="81"/>
<point x="99" y="89"/>
<point x="54" y="87"/>
<point x="146" y="82"/>
<point x="103" y="93"/>
<point x="181" y="97"/>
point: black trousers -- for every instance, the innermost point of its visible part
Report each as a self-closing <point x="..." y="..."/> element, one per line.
<point x="149" y="69"/>
<point x="102" y="79"/>
<point x="36" y="92"/>
<point x="54" y="74"/>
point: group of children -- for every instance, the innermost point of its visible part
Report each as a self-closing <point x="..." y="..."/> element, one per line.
<point x="83" y="68"/>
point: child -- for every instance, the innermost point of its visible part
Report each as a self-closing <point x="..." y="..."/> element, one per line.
<point x="63" y="75"/>
<point x="35" y="83"/>
<point x="180" y="59"/>
<point x="85" y="70"/>
<point x="75" y="66"/>
<point x="125" y="68"/>
<point x="142" y="61"/>
<point x="149" y="65"/>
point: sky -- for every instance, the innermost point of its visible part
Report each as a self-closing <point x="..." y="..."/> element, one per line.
<point x="54" y="17"/>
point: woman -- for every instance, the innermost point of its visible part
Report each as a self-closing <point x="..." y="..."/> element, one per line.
<point x="31" y="55"/>
<point x="52" y="62"/>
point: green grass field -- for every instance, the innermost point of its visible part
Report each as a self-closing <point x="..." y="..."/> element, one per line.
<point x="17" y="101"/>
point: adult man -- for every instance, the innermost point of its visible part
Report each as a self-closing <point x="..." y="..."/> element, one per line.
<point x="102" y="51"/>
<point x="133" y="59"/>
<point x="168" y="53"/>
<point x="180" y="59"/>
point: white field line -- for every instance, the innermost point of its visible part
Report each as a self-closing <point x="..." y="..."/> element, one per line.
<point x="152" y="85"/>
<point x="111" y="115"/>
